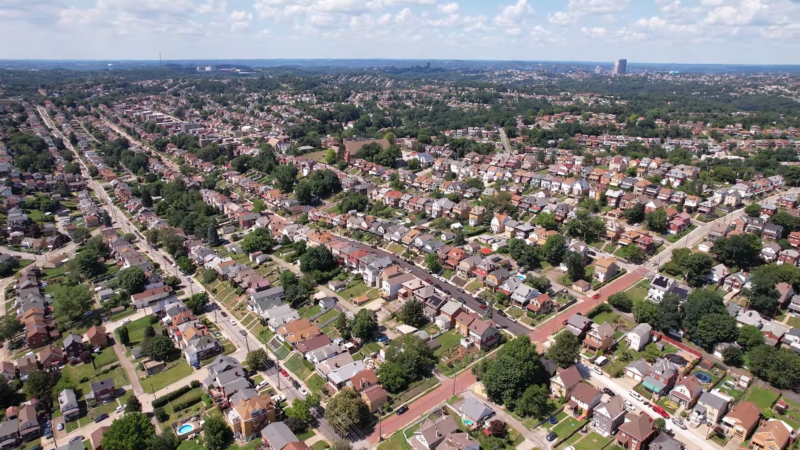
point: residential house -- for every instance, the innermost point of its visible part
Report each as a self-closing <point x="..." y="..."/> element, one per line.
<point x="97" y="336"/>
<point x="686" y="392"/>
<point x="639" y="337"/>
<point x="609" y="416"/>
<point x="637" y="370"/>
<point x="773" y="435"/>
<point x="599" y="338"/>
<point x="277" y="436"/>
<point x="249" y="414"/>
<point x="661" y="376"/>
<point x="28" y="419"/>
<point x="605" y="269"/>
<point x="374" y="397"/>
<point x="564" y="381"/>
<point x="712" y="406"/>
<point x="659" y="287"/>
<point x="637" y="433"/>
<point x="474" y="412"/>
<point x="584" y="399"/>
<point x="68" y="404"/>
<point x="742" y="420"/>
<point x="101" y="391"/>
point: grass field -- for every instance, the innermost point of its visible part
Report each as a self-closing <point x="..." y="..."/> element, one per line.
<point x="315" y="383"/>
<point x="164" y="379"/>
<point x="354" y="290"/>
<point x="106" y="357"/>
<point x="473" y="286"/>
<point x="449" y="341"/>
<point x="296" y="365"/>
<point x="567" y="426"/>
<point x="763" y="398"/>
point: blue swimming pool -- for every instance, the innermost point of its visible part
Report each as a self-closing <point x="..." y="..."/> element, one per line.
<point x="187" y="428"/>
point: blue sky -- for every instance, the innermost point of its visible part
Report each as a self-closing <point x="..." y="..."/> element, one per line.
<point x="678" y="31"/>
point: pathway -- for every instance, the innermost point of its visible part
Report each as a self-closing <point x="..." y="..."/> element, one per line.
<point x="501" y="413"/>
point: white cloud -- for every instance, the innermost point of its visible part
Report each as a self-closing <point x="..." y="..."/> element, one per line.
<point x="579" y="8"/>
<point x="403" y="17"/>
<point x="448" y="8"/>
<point x="239" y="20"/>
<point x="594" y="33"/>
<point x="513" y="15"/>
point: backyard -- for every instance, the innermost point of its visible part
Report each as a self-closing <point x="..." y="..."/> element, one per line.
<point x="763" y="398"/>
<point x="161" y="380"/>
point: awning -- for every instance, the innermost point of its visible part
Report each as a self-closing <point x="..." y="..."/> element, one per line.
<point x="653" y="385"/>
<point x="572" y="404"/>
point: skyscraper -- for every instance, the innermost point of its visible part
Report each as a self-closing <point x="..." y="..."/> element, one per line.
<point x="620" y="67"/>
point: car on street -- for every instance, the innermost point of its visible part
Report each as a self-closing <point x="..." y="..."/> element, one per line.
<point x="483" y="306"/>
<point x="233" y="322"/>
<point x="401" y="410"/>
<point x="60" y="426"/>
<point x="101" y="418"/>
<point x="679" y="423"/>
<point x="660" y="411"/>
<point x="302" y="390"/>
<point x="552" y="437"/>
<point x="285" y="373"/>
<point x="262" y="385"/>
<point x="119" y="409"/>
<point x="564" y="322"/>
<point x="428" y="280"/>
<point x="609" y="392"/>
<point x="596" y="296"/>
<point x="224" y="314"/>
<point x="597" y="370"/>
<point x="501" y="313"/>
<point x="126" y="321"/>
<point x="243" y="332"/>
<point x="76" y="438"/>
<point x="295" y="384"/>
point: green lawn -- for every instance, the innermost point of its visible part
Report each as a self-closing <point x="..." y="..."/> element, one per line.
<point x="295" y="364"/>
<point x="328" y="316"/>
<point x="447" y="274"/>
<point x="763" y="398"/>
<point x="449" y="340"/>
<point x="395" y="248"/>
<point x="355" y="290"/>
<point x="308" y="311"/>
<point x="794" y="322"/>
<point x="105" y="357"/>
<point x="282" y="352"/>
<point x="122" y="314"/>
<point x="315" y="383"/>
<point x="164" y="379"/>
<point x="309" y="433"/>
<point x="606" y="317"/>
<point x="136" y="330"/>
<point x="567" y="426"/>
<point x="320" y="445"/>
<point x="473" y="286"/>
<point x="559" y="417"/>
<point x="637" y="294"/>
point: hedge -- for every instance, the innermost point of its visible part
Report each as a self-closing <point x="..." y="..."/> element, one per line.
<point x="186" y="403"/>
<point x="164" y="399"/>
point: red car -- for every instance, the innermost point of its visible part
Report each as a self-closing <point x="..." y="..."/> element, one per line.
<point x="428" y="280"/>
<point x="596" y="296"/>
<point x="285" y="373"/>
<point x="661" y="411"/>
<point x="483" y="306"/>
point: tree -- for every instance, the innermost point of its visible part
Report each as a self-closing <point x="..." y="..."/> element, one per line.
<point x="344" y="411"/>
<point x="651" y="353"/>
<point x="365" y="325"/>
<point x="516" y="367"/>
<point x="130" y="432"/>
<point x="412" y="313"/>
<point x="185" y="265"/>
<point x="753" y="209"/>
<point x="147" y="199"/>
<point x="585" y="226"/>
<point x="783" y="219"/>
<point x="133" y="405"/>
<point x="768" y="413"/>
<point x="497" y="428"/>
<point x="160" y="348"/>
<point x="294" y="424"/>
<point x="288" y="278"/>
<point x="696" y="267"/>
<point x="541" y="284"/>
<point x="303" y="192"/>
<point x="669" y="313"/>
<point x="353" y="201"/>
<point x="216" y="434"/>
<point x="124" y="335"/>
<point x="645" y="312"/>
<point x="285" y="175"/>
<point x="88" y="263"/>
<point x="699" y="303"/>
<point x="660" y="425"/>
<point x="635" y="254"/>
<point x="565" y="349"/>
<point x="80" y="234"/>
<point x="258" y="240"/>
<point x="149" y="331"/>
<point x="411" y="354"/>
<point x="257" y="359"/>
<point x="432" y="263"/>
<point x="741" y="250"/>
<point x="330" y="156"/>
<point x="10" y="326"/>
<point x="393" y="377"/>
<point x="576" y="268"/>
<point x="164" y="441"/>
<point x="621" y="301"/>
<point x="39" y="385"/>
<point x="733" y="356"/>
<point x="341" y="444"/>
<point x="547" y="221"/>
<point x="132" y="280"/>
<point x="317" y="259"/>
<point x="716" y="328"/>
<point x="634" y="214"/>
<point x="526" y="255"/>
<point x="657" y="221"/>
<point x="212" y="235"/>
<point x="197" y="303"/>
<point x="750" y="337"/>
<point x="209" y="275"/>
<point x="73" y="302"/>
<point x="554" y="249"/>
<point x="534" y="402"/>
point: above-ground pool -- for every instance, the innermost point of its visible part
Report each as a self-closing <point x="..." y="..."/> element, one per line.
<point x="521" y="276"/>
<point x="186" y="428"/>
<point x="676" y="359"/>
<point x="703" y="377"/>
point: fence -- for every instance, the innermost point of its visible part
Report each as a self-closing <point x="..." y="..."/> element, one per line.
<point x="314" y="317"/>
<point x="680" y="345"/>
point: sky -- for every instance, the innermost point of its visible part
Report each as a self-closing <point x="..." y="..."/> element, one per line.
<point x="645" y="31"/>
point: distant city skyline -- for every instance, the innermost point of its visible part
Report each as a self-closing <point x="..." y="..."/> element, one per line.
<point x="642" y="31"/>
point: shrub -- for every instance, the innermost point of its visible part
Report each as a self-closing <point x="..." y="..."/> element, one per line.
<point x="194" y="384"/>
<point x="599" y="309"/>
<point x="153" y="320"/>
<point x="164" y="399"/>
<point x="160" y="414"/>
<point x="185" y="404"/>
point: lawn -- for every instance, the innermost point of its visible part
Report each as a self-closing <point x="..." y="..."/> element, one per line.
<point x="164" y="379"/>
<point x="559" y="417"/>
<point x="320" y="445"/>
<point x="136" y="330"/>
<point x="637" y="294"/>
<point x="763" y="398"/>
<point x="354" y="290"/>
<point x="121" y="315"/>
<point x="606" y="317"/>
<point x="473" y="286"/>
<point x="447" y="274"/>
<point x="735" y="393"/>
<point x="315" y="383"/>
<point x="449" y="340"/>
<point x="396" y="442"/>
<point x="567" y="426"/>
<point x="106" y="357"/>
<point x="282" y="352"/>
<point x="308" y="310"/>
<point x="794" y="322"/>
<point x="328" y="316"/>
<point x="309" y="433"/>
<point x="395" y="248"/>
<point x="296" y="364"/>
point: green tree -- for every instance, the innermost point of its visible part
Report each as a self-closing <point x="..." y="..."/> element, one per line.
<point x="750" y="337"/>
<point x="669" y="313"/>
<point x="303" y="192"/>
<point x="412" y="354"/>
<point x="657" y="221"/>
<point x="716" y="328"/>
<point x="576" y="267"/>
<point x="547" y="221"/>
<point x="516" y="367"/>
<point x="197" y="303"/>
<point x="124" y="335"/>
<point x="645" y="312"/>
<point x="412" y="313"/>
<point x="393" y="377"/>
<point x="10" y="326"/>
<point x="217" y="435"/>
<point x="258" y="240"/>
<point x="621" y="301"/>
<point x="285" y="176"/>
<point x="344" y="411"/>
<point x="132" y="280"/>
<point x="696" y="267"/>
<point x="733" y="356"/>
<point x="700" y="303"/>
<point x="39" y="385"/>
<point x="212" y="235"/>
<point x="534" y="402"/>
<point x="432" y="263"/>
<point x="72" y="303"/>
<point x="365" y="325"/>
<point x="160" y="348"/>
<point x="739" y="250"/>
<point x="88" y="263"/>
<point x="330" y="156"/>
<point x="80" y="234"/>
<point x="554" y="249"/>
<point x="565" y="350"/>
<point x="585" y="226"/>
<point x="129" y="432"/>
<point x="257" y="359"/>
<point x="353" y="201"/>
<point x="660" y="425"/>
<point x="133" y="405"/>
<point x="634" y="214"/>
<point x="753" y="209"/>
<point x="185" y="265"/>
<point x="651" y="353"/>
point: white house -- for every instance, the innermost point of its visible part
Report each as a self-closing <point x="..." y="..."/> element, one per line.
<point x="639" y="337"/>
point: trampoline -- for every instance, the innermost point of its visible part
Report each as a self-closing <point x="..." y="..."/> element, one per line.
<point x="674" y="358"/>
<point x="703" y="377"/>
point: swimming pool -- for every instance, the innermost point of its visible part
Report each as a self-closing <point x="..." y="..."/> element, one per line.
<point x="703" y="377"/>
<point x="187" y="428"/>
<point x="521" y="276"/>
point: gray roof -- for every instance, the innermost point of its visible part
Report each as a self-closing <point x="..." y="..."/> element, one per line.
<point x="9" y="427"/>
<point x="578" y="321"/>
<point x="100" y="385"/>
<point x="71" y="339"/>
<point x="67" y="397"/>
<point x="278" y="435"/>
<point x="718" y="403"/>
<point x="476" y="410"/>
<point x="642" y="330"/>
<point x="639" y="366"/>
<point x="665" y="442"/>
<point x="652" y="381"/>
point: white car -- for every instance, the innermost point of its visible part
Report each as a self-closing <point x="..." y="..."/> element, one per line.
<point x="119" y="409"/>
<point x="597" y="370"/>
<point x="233" y="322"/>
<point x="302" y="390"/>
<point x="126" y="321"/>
<point x="262" y="385"/>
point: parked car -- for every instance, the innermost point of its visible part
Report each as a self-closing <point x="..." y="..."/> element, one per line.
<point x="597" y="370"/>
<point x="609" y="392"/>
<point x="285" y="373"/>
<point x="101" y="418"/>
<point x="76" y="438"/>
<point x="596" y="296"/>
<point x="243" y="332"/>
<point x="295" y="384"/>
<point x="233" y="322"/>
<point x="302" y="390"/>
<point x="126" y="321"/>
<point x="401" y="410"/>
<point x="119" y="409"/>
<point x="552" y="437"/>
<point x="679" y="423"/>
<point x="661" y="411"/>
<point x="224" y="314"/>
<point x="60" y="426"/>
<point x="483" y="306"/>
